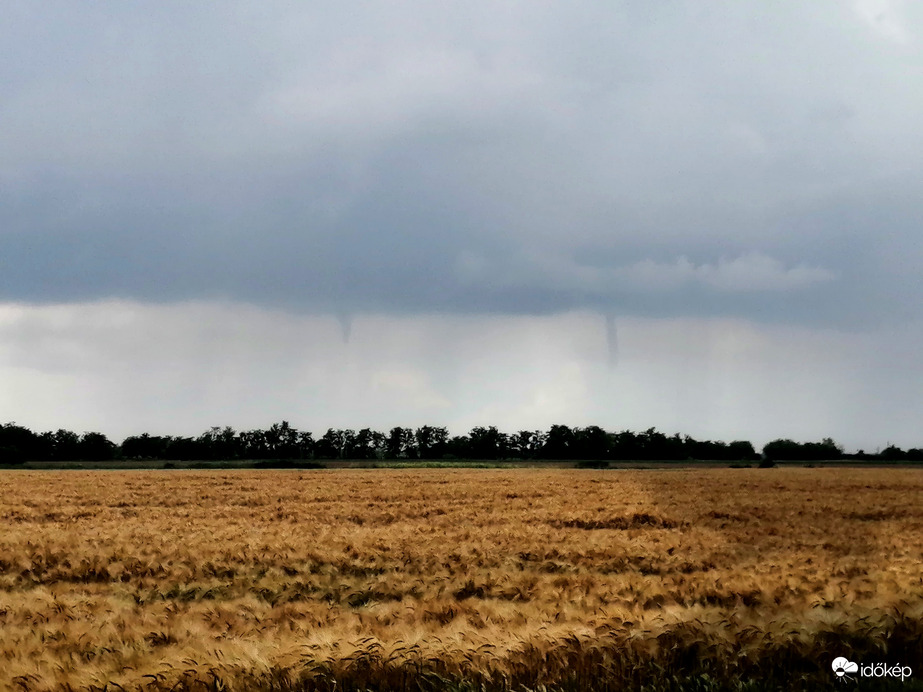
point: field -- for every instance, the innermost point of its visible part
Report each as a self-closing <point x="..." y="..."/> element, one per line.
<point x="435" y="579"/>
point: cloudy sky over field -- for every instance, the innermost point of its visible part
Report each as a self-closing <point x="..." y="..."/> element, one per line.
<point x="704" y="218"/>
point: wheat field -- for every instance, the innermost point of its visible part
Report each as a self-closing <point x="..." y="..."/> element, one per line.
<point x="433" y="579"/>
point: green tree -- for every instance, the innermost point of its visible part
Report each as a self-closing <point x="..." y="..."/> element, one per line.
<point x="742" y="450"/>
<point x="95" y="446"/>
<point x="782" y="449"/>
<point x="66" y="445"/>
<point x="328" y="445"/>
<point x="488" y="443"/>
<point x="17" y="444"/>
<point x="367" y="444"/>
<point x="431" y="441"/>
<point x="558" y="443"/>
<point x="590" y="443"/>
<point x="400" y="444"/>
<point x="526" y="443"/>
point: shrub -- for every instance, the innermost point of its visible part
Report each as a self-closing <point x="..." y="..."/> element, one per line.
<point x="287" y="464"/>
<point x="592" y="464"/>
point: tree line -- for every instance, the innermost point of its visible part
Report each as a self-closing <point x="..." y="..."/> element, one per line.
<point x="282" y="441"/>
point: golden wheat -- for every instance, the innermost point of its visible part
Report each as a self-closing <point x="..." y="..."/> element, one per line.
<point x="418" y="578"/>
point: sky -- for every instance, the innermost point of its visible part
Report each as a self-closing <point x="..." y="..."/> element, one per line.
<point x="704" y="218"/>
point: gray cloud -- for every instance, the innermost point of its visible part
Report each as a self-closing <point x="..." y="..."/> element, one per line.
<point x="194" y="365"/>
<point x="628" y="158"/>
<point x="747" y="273"/>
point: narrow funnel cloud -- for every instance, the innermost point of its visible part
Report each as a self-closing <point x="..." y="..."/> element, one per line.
<point x="345" y="320"/>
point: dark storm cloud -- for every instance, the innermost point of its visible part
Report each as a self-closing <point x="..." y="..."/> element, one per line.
<point x="529" y="158"/>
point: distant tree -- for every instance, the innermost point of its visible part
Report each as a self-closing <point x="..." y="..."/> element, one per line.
<point x="431" y="441"/>
<point x="17" y="444"/>
<point x="253" y="444"/>
<point x="95" y="446"/>
<point x="788" y="450"/>
<point x="458" y="447"/>
<point x="343" y="444"/>
<point x="782" y="450"/>
<point x="346" y="443"/>
<point x="675" y="447"/>
<point x="66" y="445"/>
<point x="400" y="444"/>
<point x="591" y="442"/>
<point x="741" y="450"/>
<point x="328" y="445"/>
<point x="367" y="444"/>
<point x="145" y="446"/>
<point x="219" y="443"/>
<point x="290" y="438"/>
<point x="824" y="450"/>
<point x="702" y="449"/>
<point x="558" y="442"/>
<point x="45" y="446"/>
<point x="625" y="445"/>
<point x="487" y="443"/>
<point x="183" y="449"/>
<point x="281" y="441"/>
<point x="655" y="445"/>
<point x="306" y="445"/>
<point x="526" y="443"/>
<point x="892" y="453"/>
